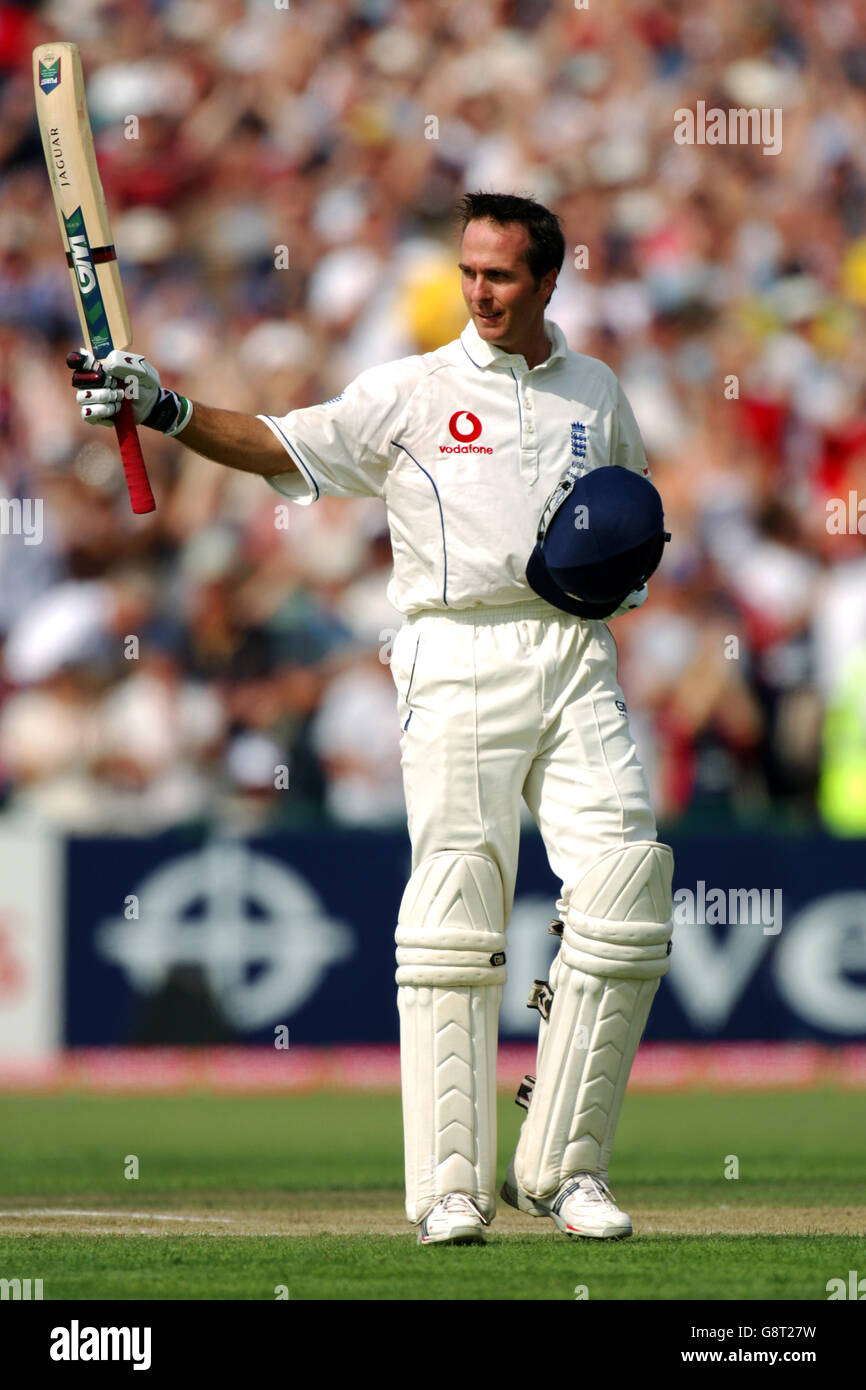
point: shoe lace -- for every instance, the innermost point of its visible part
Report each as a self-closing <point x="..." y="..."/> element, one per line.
<point x="458" y="1201"/>
<point x="593" y="1189"/>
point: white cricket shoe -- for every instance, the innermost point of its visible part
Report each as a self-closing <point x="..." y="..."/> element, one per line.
<point x="455" y="1220"/>
<point x="583" y="1206"/>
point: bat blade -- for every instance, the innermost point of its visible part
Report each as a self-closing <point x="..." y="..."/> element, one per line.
<point x="85" y="229"/>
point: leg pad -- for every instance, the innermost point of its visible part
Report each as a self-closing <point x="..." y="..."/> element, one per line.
<point x="451" y="967"/>
<point x="613" y="954"/>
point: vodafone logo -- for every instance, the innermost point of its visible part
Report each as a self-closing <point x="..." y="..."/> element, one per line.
<point x="465" y="436"/>
<point x="464" y="427"/>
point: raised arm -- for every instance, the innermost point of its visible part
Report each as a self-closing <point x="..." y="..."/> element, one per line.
<point x="226" y="436"/>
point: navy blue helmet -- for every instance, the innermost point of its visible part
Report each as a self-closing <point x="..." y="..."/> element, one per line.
<point x="601" y="535"/>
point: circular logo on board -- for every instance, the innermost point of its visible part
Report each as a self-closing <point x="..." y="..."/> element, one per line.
<point x="257" y="929"/>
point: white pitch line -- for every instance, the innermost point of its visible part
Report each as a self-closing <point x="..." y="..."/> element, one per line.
<point x="121" y="1215"/>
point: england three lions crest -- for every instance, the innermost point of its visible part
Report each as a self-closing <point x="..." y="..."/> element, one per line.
<point x="578" y="440"/>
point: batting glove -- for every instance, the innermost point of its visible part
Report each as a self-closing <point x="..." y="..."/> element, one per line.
<point x="102" y="386"/>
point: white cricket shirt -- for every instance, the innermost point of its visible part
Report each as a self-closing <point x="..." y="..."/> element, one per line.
<point x="464" y="445"/>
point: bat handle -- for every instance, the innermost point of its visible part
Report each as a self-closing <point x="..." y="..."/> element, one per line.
<point x="140" y="494"/>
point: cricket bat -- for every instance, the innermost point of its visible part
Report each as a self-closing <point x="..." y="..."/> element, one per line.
<point x="64" y="124"/>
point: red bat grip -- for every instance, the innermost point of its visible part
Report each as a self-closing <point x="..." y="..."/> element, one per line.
<point x="140" y="494"/>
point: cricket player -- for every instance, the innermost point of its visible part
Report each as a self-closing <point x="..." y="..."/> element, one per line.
<point x="501" y="694"/>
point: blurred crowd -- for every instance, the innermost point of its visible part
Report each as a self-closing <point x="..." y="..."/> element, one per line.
<point x="282" y="178"/>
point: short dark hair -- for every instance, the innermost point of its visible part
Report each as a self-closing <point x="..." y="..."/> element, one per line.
<point x="546" y="250"/>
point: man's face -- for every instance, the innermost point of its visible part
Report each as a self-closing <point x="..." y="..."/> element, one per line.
<point x="500" y="293"/>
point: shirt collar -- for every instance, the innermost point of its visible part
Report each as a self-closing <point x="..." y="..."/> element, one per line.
<point x="483" y="354"/>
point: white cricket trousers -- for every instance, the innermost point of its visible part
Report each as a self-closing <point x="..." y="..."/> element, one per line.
<point x="496" y="703"/>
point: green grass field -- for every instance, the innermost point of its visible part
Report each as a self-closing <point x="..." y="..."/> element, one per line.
<point x="237" y="1198"/>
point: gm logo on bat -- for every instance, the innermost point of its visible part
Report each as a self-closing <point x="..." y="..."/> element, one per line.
<point x="83" y="264"/>
<point x="81" y="261"/>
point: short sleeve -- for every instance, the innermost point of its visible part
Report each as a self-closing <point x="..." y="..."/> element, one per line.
<point x="343" y="447"/>
<point x="626" y="446"/>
